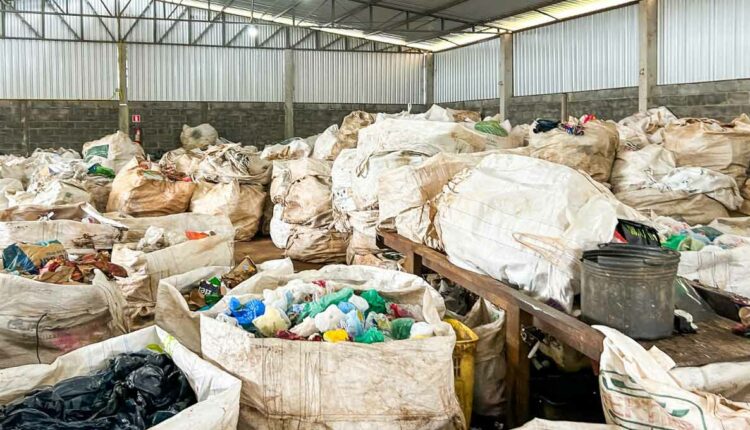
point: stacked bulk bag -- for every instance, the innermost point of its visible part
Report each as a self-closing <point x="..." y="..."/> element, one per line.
<point x="290" y="149"/>
<point x="113" y="151"/>
<point x="243" y="204"/>
<point x="40" y="321"/>
<point x="295" y="373"/>
<point x="301" y="191"/>
<point x="141" y="190"/>
<point x="333" y="140"/>
<point x="526" y="221"/>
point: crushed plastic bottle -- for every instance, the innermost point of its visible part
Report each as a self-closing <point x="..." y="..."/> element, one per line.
<point x="375" y="302"/>
<point x="401" y="328"/>
<point x="372" y="335"/>
<point x="335" y="336"/>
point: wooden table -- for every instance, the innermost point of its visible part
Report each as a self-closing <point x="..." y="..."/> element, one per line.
<point x="712" y="344"/>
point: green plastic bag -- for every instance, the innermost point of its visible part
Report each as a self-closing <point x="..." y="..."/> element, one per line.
<point x="401" y="328"/>
<point x="491" y="127"/>
<point x="377" y="303"/>
<point x="372" y="335"/>
<point x="313" y="308"/>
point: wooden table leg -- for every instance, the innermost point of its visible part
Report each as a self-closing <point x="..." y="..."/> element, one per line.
<point x="518" y="371"/>
<point x="413" y="263"/>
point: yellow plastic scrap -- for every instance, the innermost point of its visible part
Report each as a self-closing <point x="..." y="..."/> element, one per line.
<point x="335" y="336"/>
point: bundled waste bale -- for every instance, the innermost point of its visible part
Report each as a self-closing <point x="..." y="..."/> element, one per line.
<point x="113" y="151"/>
<point x="40" y="320"/>
<point x="164" y="252"/>
<point x="588" y="146"/>
<point x="243" y="204"/>
<point x="691" y="194"/>
<point x="290" y="149"/>
<point x="539" y="216"/>
<point x="169" y="387"/>
<point x="182" y="298"/>
<point x="423" y="398"/>
<point x="198" y="137"/>
<point x="712" y="396"/>
<point x="141" y="190"/>
<point x="708" y="143"/>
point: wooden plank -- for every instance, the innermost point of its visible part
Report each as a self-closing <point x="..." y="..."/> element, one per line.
<point x="714" y="343"/>
<point x="564" y="327"/>
<point x="518" y="373"/>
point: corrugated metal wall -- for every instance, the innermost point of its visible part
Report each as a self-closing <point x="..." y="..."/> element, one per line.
<point x="470" y="73"/>
<point x="593" y="52"/>
<point x="354" y="77"/>
<point x="182" y="73"/>
<point x="703" y="40"/>
<point x="32" y="69"/>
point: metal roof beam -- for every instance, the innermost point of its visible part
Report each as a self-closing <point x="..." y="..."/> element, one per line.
<point x="59" y="9"/>
<point x="213" y="21"/>
<point x="428" y="13"/>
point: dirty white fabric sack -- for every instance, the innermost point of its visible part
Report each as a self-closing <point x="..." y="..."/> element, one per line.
<point x="638" y="391"/>
<point x="526" y="221"/>
<point x="645" y="128"/>
<point x="198" y="137"/>
<point x="342" y="194"/>
<point x="60" y="192"/>
<point x="135" y="228"/>
<point x="290" y="149"/>
<point x="697" y="180"/>
<point x="326" y="143"/>
<point x="691" y="208"/>
<point x="172" y="311"/>
<point x="322" y="245"/>
<point x="637" y="168"/>
<point x="231" y="161"/>
<point x="181" y="160"/>
<point x="217" y="392"/>
<point x="710" y="144"/>
<point x="421" y="137"/>
<point x="593" y="152"/>
<point x="713" y="266"/>
<point x="368" y="171"/>
<point x="112" y="151"/>
<point x="77" y="237"/>
<point x="146" y="269"/>
<point x="14" y="167"/>
<point x="9" y="186"/>
<point x="39" y="319"/>
<point x="488" y="323"/>
<point x="303" y="187"/>
<point x="364" y="232"/>
<point x="243" y="204"/>
<point x="280" y="230"/>
<point x="294" y="374"/>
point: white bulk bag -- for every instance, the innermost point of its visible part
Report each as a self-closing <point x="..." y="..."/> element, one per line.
<point x="243" y="204"/>
<point x="280" y="230"/>
<point x="526" y="221"/>
<point x="9" y="186"/>
<point x="637" y="168"/>
<point x="77" y="237"/>
<point x="713" y="266"/>
<point x="291" y="149"/>
<point x="309" y="385"/>
<point x="217" y="392"/>
<point x="40" y="321"/>
<point x="113" y="151"/>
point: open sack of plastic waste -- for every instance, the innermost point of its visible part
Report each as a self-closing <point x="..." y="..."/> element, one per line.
<point x="145" y="379"/>
<point x="170" y="245"/>
<point x="371" y="339"/>
<point x="644" y="389"/>
<point x="182" y="298"/>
